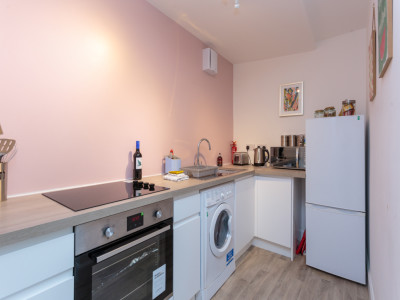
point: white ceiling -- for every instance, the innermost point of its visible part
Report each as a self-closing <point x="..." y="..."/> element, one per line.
<point x="262" y="29"/>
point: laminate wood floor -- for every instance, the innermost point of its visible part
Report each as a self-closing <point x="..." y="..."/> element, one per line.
<point x="261" y="274"/>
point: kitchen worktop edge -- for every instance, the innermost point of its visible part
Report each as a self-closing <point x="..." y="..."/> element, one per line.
<point x="31" y="216"/>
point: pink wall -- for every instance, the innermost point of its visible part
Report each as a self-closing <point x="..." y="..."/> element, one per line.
<point x="384" y="165"/>
<point x="81" y="81"/>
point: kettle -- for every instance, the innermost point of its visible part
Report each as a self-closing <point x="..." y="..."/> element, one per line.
<point x="259" y="156"/>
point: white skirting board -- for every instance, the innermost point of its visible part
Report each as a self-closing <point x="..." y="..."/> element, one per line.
<point x="260" y="243"/>
<point x="242" y="251"/>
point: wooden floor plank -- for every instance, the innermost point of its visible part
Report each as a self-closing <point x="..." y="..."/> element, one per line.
<point x="263" y="275"/>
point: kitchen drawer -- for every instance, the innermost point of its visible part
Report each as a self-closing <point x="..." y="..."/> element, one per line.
<point x="186" y="206"/>
<point x="27" y="266"/>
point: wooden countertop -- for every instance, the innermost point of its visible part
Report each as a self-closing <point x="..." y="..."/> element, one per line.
<point x="30" y="216"/>
<point x="273" y="172"/>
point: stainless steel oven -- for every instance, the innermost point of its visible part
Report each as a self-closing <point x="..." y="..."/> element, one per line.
<point x="127" y="255"/>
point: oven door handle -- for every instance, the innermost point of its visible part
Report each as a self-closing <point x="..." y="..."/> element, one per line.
<point x="107" y="255"/>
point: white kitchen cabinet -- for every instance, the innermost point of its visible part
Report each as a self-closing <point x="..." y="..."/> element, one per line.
<point x="274" y="210"/>
<point x="244" y="214"/>
<point x="278" y="213"/>
<point x="39" y="268"/>
<point x="186" y="246"/>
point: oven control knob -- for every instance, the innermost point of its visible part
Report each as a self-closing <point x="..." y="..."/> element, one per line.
<point x="109" y="232"/>
<point x="158" y="214"/>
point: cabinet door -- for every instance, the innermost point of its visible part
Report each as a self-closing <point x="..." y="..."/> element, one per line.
<point x="187" y="258"/>
<point x="274" y="210"/>
<point x="60" y="287"/>
<point x="244" y="212"/>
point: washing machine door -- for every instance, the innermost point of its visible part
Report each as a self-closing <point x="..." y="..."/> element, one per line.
<point x="221" y="230"/>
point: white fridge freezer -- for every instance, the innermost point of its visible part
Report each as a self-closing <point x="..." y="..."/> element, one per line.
<point x="335" y="196"/>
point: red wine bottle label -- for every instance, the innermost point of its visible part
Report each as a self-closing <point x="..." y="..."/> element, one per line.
<point x="138" y="163"/>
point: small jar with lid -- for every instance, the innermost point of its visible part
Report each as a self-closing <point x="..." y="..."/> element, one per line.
<point x="319" y="113"/>
<point x="330" y="112"/>
<point x="348" y="108"/>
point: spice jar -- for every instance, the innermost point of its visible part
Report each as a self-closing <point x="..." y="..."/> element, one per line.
<point x="319" y="113"/>
<point x="348" y="108"/>
<point x="330" y="112"/>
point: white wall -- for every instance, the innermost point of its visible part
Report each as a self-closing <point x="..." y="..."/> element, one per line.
<point x="331" y="73"/>
<point x="384" y="165"/>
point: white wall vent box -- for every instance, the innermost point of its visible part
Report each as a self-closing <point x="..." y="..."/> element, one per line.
<point x="210" y="61"/>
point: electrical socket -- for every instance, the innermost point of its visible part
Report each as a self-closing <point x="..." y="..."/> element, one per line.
<point x="251" y="146"/>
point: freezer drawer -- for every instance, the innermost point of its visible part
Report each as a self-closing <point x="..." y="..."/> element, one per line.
<point x="336" y="241"/>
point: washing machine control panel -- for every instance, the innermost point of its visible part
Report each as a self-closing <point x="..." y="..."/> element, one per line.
<point x="219" y="193"/>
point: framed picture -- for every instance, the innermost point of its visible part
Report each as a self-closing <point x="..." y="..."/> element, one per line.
<point x="385" y="34"/>
<point x="372" y="59"/>
<point x="291" y="99"/>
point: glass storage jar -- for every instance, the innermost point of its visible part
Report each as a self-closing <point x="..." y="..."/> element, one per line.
<point x="319" y="113"/>
<point x="330" y="112"/>
<point x="348" y="108"/>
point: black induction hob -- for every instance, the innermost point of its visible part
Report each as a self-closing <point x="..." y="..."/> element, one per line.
<point x="96" y="195"/>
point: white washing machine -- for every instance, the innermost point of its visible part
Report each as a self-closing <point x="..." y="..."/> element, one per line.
<point x="217" y="238"/>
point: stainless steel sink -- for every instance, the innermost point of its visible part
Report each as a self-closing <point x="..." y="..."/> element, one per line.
<point x="227" y="171"/>
<point x="211" y="171"/>
<point x="200" y="171"/>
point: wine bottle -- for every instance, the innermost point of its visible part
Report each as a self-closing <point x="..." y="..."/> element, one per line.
<point x="137" y="163"/>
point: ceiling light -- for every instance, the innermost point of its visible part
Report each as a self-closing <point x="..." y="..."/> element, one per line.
<point x="237" y="4"/>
